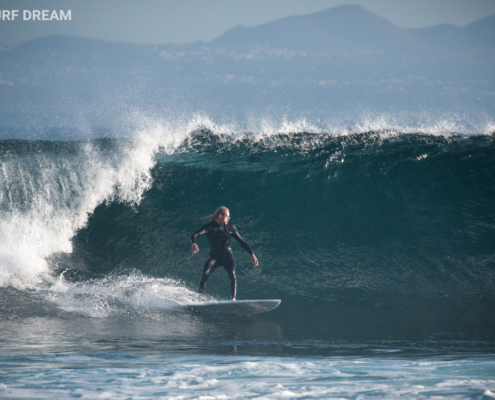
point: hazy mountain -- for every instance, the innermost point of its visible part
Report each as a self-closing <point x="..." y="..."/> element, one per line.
<point x="353" y="28"/>
<point x="482" y="32"/>
<point x="478" y="36"/>
<point x="344" y="28"/>
<point x="445" y="36"/>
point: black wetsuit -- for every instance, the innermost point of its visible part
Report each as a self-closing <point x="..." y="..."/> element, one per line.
<point x="220" y="251"/>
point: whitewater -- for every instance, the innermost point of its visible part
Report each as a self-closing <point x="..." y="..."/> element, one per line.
<point x="377" y="236"/>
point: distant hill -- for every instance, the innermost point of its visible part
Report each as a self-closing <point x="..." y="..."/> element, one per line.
<point x="344" y="28"/>
<point x="479" y="35"/>
<point x="352" y="28"/>
<point x="482" y="32"/>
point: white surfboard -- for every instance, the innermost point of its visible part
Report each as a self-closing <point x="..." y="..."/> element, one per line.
<point x="240" y="307"/>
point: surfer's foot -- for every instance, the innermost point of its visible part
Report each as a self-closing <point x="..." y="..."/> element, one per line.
<point x="233" y="299"/>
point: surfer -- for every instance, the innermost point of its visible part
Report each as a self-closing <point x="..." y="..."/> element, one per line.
<point x="218" y="231"/>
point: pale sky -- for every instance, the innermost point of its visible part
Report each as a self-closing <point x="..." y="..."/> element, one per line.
<point x="187" y="21"/>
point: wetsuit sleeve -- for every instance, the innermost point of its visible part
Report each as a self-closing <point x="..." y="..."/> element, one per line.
<point x="199" y="232"/>
<point x="235" y="234"/>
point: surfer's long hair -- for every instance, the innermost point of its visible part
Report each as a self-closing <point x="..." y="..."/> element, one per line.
<point x="216" y="214"/>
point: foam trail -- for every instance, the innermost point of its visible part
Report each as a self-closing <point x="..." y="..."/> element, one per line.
<point x="122" y="294"/>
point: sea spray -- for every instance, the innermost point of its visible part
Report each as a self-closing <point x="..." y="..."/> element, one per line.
<point x="119" y="294"/>
<point x="49" y="189"/>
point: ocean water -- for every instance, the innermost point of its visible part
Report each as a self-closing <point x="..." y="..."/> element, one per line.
<point x="379" y="238"/>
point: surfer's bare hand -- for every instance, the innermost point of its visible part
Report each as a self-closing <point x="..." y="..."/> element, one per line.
<point x="254" y="260"/>
<point x="194" y="248"/>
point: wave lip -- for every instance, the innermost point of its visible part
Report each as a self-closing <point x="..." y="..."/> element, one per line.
<point x="48" y="192"/>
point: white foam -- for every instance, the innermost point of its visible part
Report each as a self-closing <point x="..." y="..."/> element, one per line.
<point x="386" y="124"/>
<point x="218" y="377"/>
<point x="122" y="294"/>
<point x="47" y="198"/>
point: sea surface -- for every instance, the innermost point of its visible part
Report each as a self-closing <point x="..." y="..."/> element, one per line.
<point x="379" y="240"/>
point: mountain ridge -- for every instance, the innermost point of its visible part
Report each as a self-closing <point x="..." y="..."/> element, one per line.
<point x="333" y="29"/>
<point x="354" y="27"/>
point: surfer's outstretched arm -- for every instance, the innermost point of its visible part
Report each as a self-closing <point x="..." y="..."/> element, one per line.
<point x="235" y="234"/>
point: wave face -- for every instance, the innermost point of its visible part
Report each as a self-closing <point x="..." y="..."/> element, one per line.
<point x="374" y="235"/>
